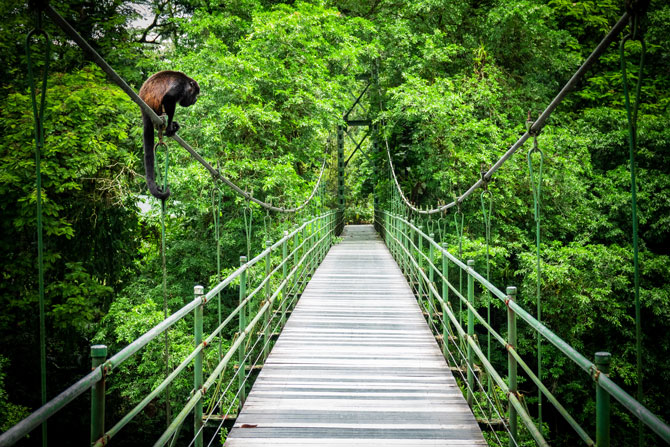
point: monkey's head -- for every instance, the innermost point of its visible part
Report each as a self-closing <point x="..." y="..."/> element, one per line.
<point x="191" y="92"/>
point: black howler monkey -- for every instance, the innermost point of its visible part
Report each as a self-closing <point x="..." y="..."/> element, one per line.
<point x="162" y="92"/>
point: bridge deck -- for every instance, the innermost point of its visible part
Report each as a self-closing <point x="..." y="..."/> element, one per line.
<point x="356" y="364"/>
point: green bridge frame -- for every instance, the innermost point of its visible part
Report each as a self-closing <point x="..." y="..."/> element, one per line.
<point x="425" y="271"/>
<point x="302" y="250"/>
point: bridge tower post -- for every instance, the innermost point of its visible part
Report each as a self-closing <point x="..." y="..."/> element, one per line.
<point x="602" y="361"/>
<point x="445" y="297"/>
<point x="98" y="357"/>
<point x="431" y="278"/>
<point x="284" y="274"/>
<point x="242" y="327"/>
<point x="511" y="365"/>
<point x="340" y="180"/>
<point x="266" y="317"/>
<point x="199" y="291"/>
<point x="471" y="333"/>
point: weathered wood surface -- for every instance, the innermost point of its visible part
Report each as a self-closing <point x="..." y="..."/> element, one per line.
<point x="356" y="364"/>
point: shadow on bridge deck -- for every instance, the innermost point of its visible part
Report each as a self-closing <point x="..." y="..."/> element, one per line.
<point x="356" y="364"/>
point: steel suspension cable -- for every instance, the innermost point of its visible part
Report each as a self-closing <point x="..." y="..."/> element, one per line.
<point x="267" y="223"/>
<point x="217" y="235"/>
<point x="166" y="347"/>
<point x="536" y="188"/>
<point x="160" y="123"/>
<point x="535" y="128"/>
<point x="248" y="196"/>
<point x="248" y="221"/>
<point x="486" y="214"/>
<point x="631" y="115"/>
<point x="459" y="233"/>
<point x="38" y="116"/>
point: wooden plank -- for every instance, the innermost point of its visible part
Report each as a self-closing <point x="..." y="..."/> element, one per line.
<point x="265" y="442"/>
<point x="356" y="364"/>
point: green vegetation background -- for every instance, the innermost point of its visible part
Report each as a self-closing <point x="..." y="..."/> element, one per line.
<point x="458" y="80"/>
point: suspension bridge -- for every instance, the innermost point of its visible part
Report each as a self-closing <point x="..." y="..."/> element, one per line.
<point x="356" y="363"/>
<point x="356" y="335"/>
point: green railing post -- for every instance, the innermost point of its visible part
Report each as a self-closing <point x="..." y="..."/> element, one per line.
<point x="319" y="244"/>
<point x="445" y="298"/>
<point x="392" y="232"/>
<point x="602" y="361"/>
<point x="324" y="243"/>
<point x="431" y="276"/>
<point x="405" y="252"/>
<point x="395" y="231"/>
<point x="471" y="332"/>
<point x="511" y="364"/>
<point x="340" y="180"/>
<point x="284" y="273"/>
<point x="313" y="238"/>
<point x="329" y="228"/>
<point x="309" y="230"/>
<point x="401" y="244"/>
<point x="98" y="357"/>
<point x="408" y="237"/>
<point x="404" y="248"/>
<point x="243" y="324"/>
<point x="198" y="291"/>
<point x="389" y="231"/>
<point x="402" y="255"/>
<point x="310" y="241"/>
<point x="326" y="229"/>
<point x="419" y="262"/>
<point x="314" y="232"/>
<point x="296" y="244"/>
<point x="413" y="252"/>
<point x="410" y="245"/>
<point x="305" y="248"/>
<point x="266" y="318"/>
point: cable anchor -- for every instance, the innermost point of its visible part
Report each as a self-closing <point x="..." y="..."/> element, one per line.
<point x="248" y="219"/>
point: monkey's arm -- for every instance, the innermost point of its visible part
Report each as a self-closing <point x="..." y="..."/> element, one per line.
<point x="169" y="105"/>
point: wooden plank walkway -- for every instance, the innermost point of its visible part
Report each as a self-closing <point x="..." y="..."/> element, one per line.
<point x="356" y="364"/>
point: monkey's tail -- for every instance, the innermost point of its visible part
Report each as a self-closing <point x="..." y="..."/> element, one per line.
<point x="149" y="168"/>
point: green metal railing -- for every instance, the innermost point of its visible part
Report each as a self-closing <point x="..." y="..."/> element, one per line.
<point x="406" y="243"/>
<point x="299" y="253"/>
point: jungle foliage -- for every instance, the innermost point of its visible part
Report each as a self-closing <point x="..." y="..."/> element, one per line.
<point x="457" y="82"/>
